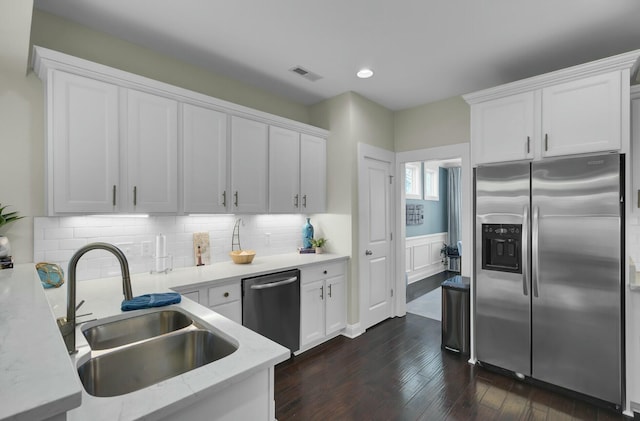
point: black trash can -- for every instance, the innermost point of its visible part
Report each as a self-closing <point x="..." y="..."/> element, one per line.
<point x="456" y="314"/>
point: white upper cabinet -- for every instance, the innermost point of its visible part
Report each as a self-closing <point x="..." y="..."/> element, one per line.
<point x="120" y="142"/>
<point x="284" y="170"/>
<point x="249" y="162"/>
<point x="83" y="160"/>
<point x="582" y="116"/>
<point x="152" y="152"/>
<point x="313" y="174"/>
<point x="297" y="172"/>
<point x="204" y="164"/>
<point x="582" y="109"/>
<point x="503" y="129"/>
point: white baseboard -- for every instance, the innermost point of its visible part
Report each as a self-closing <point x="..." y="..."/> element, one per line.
<point x="353" y="331"/>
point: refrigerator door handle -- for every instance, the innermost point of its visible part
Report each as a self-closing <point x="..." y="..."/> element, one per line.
<point x="534" y="252"/>
<point x="525" y="250"/>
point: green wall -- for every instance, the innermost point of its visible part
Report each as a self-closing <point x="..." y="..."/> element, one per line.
<point x="440" y="123"/>
<point x="68" y="37"/>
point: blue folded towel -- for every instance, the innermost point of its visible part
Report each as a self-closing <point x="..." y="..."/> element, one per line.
<point x="150" y="300"/>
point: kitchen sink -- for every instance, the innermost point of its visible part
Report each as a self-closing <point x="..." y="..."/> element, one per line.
<point x="143" y="364"/>
<point x="134" y="329"/>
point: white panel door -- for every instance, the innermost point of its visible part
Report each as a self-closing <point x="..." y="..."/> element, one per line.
<point x="376" y="273"/>
<point x="503" y="129"/>
<point x="249" y="162"/>
<point x="311" y="312"/>
<point x="313" y="174"/>
<point x="582" y="116"/>
<point x="204" y="165"/>
<point x="284" y="170"/>
<point x="85" y="145"/>
<point x="336" y="304"/>
<point x="152" y="142"/>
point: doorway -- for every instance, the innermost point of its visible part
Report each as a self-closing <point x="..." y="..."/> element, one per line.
<point x="461" y="151"/>
<point x="432" y="239"/>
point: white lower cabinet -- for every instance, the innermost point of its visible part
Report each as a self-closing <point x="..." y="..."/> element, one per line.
<point x="323" y="303"/>
<point x="224" y="298"/>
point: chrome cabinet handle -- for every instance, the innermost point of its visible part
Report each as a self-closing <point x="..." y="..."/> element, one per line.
<point x="525" y="250"/>
<point x="528" y="145"/>
<point x="304" y="201"/>
<point x="322" y="292"/>
<point x="114" y="195"/>
<point x="368" y="252"/>
<point x="235" y="199"/>
<point x="329" y="290"/>
<point x="135" y="195"/>
<point x="546" y="142"/>
<point x="295" y="201"/>
<point x="535" y="270"/>
<point x="224" y="198"/>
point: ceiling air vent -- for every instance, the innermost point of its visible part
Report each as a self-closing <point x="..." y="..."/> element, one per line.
<point x="305" y="73"/>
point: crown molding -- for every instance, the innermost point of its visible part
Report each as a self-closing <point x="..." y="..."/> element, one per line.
<point x="619" y="62"/>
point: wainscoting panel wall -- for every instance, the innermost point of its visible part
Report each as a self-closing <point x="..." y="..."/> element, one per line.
<point x="423" y="256"/>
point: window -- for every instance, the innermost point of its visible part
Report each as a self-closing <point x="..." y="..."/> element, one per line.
<point x="413" y="180"/>
<point x="431" y="181"/>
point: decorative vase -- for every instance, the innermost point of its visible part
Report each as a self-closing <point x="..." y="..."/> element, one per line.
<point x="307" y="234"/>
<point x="5" y="246"/>
<point x="319" y="250"/>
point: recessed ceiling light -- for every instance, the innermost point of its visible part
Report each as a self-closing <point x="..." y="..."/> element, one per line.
<point x="364" y="73"/>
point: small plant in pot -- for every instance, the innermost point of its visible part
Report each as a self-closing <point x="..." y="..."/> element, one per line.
<point x="6" y="218"/>
<point x="318" y="244"/>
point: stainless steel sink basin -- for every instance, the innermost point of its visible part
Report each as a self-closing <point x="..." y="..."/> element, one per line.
<point x="134" y="329"/>
<point x="140" y="365"/>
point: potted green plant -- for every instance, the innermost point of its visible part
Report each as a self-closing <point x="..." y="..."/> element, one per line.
<point x="318" y="244"/>
<point x="6" y="218"/>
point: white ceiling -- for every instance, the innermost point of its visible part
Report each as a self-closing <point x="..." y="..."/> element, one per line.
<point x="421" y="50"/>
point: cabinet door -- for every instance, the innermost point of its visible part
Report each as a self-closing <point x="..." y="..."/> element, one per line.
<point x="582" y="116"/>
<point x="249" y="155"/>
<point x="503" y="129"/>
<point x="152" y="142"/>
<point x="204" y="165"/>
<point x="284" y="170"/>
<point x="232" y="311"/>
<point x="312" y="297"/>
<point x="83" y="150"/>
<point x="336" y="307"/>
<point x="313" y="174"/>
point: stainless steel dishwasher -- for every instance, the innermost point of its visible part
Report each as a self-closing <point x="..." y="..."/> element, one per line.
<point x="271" y="307"/>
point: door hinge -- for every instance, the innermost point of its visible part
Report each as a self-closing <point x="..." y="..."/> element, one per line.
<point x="392" y="292"/>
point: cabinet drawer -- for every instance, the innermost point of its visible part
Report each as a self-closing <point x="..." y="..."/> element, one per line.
<point x="321" y="271"/>
<point x="232" y="311"/>
<point x="224" y="294"/>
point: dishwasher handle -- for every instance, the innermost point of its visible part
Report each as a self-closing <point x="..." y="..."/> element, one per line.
<point x="275" y="284"/>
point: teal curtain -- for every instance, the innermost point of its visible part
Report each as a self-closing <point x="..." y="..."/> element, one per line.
<point x="453" y="199"/>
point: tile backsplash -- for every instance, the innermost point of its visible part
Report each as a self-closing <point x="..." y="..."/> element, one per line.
<point x="56" y="239"/>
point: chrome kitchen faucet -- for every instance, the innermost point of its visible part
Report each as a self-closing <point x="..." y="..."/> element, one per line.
<point x="67" y="324"/>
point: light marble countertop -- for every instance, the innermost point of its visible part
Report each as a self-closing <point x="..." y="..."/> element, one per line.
<point x="50" y="384"/>
<point x="38" y="379"/>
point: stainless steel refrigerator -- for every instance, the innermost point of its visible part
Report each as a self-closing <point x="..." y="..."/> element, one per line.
<point x="548" y="247"/>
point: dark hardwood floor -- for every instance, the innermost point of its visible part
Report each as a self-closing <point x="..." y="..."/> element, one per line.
<point x="423" y="286"/>
<point x="397" y="371"/>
